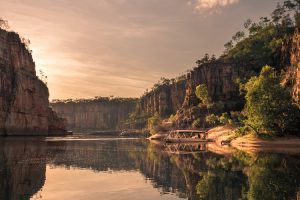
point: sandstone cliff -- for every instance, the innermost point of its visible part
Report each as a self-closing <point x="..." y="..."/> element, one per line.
<point x="97" y="114"/>
<point x="179" y="97"/>
<point x="295" y="64"/>
<point x="219" y="78"/>
<point x="23" y="97"/>
<point x="166" y="99"/>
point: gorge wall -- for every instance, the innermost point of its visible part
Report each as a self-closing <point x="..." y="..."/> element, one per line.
<point x="24" y="105"/>
<point x="295" y="66"/>
<point x="166" y="99"/>
<point x="96" y="114"/>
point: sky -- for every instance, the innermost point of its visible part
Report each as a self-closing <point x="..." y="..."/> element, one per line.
<point x="121" y="47"/>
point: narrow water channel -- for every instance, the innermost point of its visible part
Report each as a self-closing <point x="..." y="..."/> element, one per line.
<point x="82" y="167"/>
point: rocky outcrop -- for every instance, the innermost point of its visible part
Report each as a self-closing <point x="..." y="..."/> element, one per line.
<point x="219" y="78"/>
<point x="56" y="124"/>
<point x="165" y="99"/>
<point x="295" y="66"/>
<point x="96" y="114"/>
<point x="179" y="97"/>
<point x="23" y="97"/>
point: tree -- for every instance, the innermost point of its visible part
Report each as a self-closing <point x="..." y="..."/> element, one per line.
<point x="42" y="76"/>
<point x="3" y="24"/>
<point x="228" y="46"/>
<point x="202" y="94"/>
<point x="204" y="60"/>
<point x="212" y="119"/>
<point x="154" y="122"/>
<point x="269" y="108"/>
<point x="238" y="36"/>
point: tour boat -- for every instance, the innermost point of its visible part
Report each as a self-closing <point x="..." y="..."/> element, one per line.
<point x="186" y="136"/>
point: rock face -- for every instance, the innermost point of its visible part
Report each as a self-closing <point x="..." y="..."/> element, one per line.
<point x="295" y="64"/>
<point x="23" y="97"/>
<point x="165" y="100"/>
<point x="219" y="77"/>
<point x="98" y="114"/>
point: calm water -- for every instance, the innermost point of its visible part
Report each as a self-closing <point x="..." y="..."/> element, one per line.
<point x="79" y="168"/>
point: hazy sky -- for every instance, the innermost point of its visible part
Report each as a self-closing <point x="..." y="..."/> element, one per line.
<point x="93" y="48"/>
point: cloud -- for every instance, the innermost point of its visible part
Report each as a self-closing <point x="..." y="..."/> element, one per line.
<point x="204" y="5"/>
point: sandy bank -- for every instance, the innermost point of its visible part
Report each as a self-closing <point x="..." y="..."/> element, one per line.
<point x="250" y="143"/>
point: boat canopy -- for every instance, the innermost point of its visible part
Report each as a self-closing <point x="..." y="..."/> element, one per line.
<point x="188" y="131"/>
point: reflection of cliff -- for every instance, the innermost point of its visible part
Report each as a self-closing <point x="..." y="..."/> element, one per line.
<point x="22" y="168"/>
<point x="157" y="166"/>
<point x="193" y="176"/>
<point x="98" y="114"/>
<point x="120" y="155"/>
<point x="95" y="155"/>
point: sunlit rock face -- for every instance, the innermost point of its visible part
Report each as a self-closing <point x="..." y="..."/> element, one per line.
<point x="98" y="114"/>
<point x="295" y="62"/>
<point x="165" y="99"/>
<point x="23" y="97"/>
<point x="22" y="168"/>
<point x="219" y="78"/>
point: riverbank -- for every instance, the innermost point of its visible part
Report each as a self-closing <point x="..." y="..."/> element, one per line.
<point x="250" y="143"/>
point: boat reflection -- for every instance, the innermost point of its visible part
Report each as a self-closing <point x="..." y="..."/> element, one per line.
<point x="185" y="148"/>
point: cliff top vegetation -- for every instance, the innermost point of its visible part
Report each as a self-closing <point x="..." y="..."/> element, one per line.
<point x="96" y="99"/>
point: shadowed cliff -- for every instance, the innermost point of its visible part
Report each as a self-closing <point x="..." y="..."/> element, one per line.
<point x="24" y="105"/>
<point x="95" y="114"/>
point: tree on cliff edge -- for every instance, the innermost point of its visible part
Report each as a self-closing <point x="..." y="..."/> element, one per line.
<point x="4" y="24"/>
<point x="269" y="108"/>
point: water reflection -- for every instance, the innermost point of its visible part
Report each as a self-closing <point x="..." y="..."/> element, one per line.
<point x="22" y="167"/>
<point x="100" y="168"/>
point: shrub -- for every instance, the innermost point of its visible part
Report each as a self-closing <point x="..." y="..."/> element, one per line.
<point x="269" y="108"/>
<point x="154" y="122"/>
<point x="212" y="119"/>
<point x="196" y="123"/>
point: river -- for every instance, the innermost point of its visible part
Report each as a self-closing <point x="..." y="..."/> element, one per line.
<point x="86" y="167"/>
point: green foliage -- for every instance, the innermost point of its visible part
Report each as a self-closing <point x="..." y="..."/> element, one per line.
<point x="212" y="119"/>
<point x="96" y="99"/>
<point x="4" y="24"/>
<point x="273" y="177"/>
<point x="137" y="119"/>
<point x="196" y="123"/>
<point x="206" y="59"/>
<point x="265" y="40"/>
<point x="202" y="94"/>
<point x="154" y="122"/>
<point x="268" y="105"/>
<point x="242" y="130"/>
<point x="225" y="118"/>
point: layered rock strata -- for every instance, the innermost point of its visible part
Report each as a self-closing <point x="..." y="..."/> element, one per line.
<point x="23" y="96"/>
<point x="98" y="114"/>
